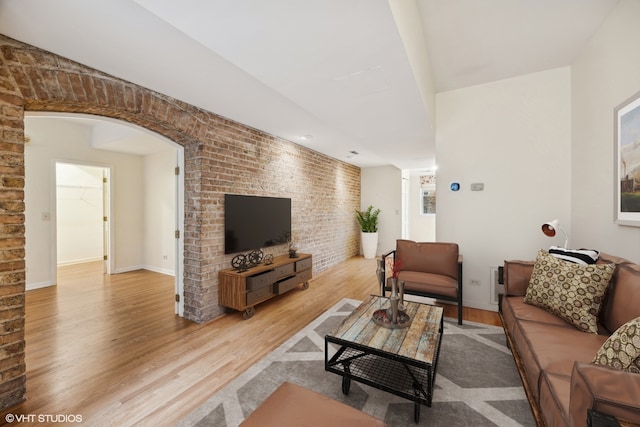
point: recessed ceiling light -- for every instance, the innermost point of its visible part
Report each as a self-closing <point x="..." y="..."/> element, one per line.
<point x="306" y="137"/>
<point x="355" y="153"/>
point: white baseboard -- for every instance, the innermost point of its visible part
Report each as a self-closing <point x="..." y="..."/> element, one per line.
<point x="166" y="271"/>
<point x="144" y="267"/>
<point x="32" y="286"/>
<point x="128" y="269"/>
<point x="79" y="261"/>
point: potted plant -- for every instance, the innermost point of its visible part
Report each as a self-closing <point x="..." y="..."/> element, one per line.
<point x="368" y="221"/>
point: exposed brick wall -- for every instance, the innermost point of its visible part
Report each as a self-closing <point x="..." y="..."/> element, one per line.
<point x="12" y="230"/>
<point x="221" y="156"/>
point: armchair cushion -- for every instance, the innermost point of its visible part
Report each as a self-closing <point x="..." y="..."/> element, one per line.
<point x="428" y="283"/>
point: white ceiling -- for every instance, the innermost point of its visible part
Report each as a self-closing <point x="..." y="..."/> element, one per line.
<point x="353" y="75"/>
<point x="104" y="133"/>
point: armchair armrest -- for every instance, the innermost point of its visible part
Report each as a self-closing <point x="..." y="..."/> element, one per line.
<point x="604" y="389"/>
<point x="382" y="269"/>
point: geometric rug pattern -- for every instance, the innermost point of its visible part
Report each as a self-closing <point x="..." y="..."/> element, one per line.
<point x="476" y="383"/>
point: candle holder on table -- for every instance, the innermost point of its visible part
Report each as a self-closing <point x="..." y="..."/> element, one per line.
<point x="394" y="317"/>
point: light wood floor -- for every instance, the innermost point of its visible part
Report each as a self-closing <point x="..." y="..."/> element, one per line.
<point x="110" y="348"/>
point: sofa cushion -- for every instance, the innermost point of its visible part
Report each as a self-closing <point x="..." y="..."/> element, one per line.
<point x="571" y="291"/>
<point x="623" y="297"/>
<point x="516" y="308"/>
<point x="555" y="392"/>
<point x="622" y="349"/>
<point x="554" y="349"/>
<point x="516" y="277"/>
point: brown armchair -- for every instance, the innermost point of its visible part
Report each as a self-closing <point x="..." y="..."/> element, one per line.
<point x="428" y="269"/>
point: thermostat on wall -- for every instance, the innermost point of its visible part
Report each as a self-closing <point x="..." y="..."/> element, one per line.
<point x="455" y="186"/>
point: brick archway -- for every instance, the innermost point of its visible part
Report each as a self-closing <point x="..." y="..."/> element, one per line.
<point x="220" y="156"/>
<point x="35" y="80"/>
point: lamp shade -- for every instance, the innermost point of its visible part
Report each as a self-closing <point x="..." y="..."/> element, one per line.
<point x="550" y="228"/>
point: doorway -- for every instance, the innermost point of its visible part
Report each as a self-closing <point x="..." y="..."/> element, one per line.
<point x="121" y="193"/>
<point x="82" y="214"/>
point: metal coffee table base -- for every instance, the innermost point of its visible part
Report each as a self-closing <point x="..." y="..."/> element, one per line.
<point x="403" y="377"/>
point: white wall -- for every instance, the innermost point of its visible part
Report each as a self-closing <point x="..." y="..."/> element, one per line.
<point x="160" y="211"/>
<point x="422" y="227"/>
<point x="606" y="74"/>
<point x="54" y="139"/>
<point x="382" y="188"/>
<point x="514" y="136"/>
<point x="79" y="213"/>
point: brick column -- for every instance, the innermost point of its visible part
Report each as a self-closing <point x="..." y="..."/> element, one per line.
<point x="12" y="230"/>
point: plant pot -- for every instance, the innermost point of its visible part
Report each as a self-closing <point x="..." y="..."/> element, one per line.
<point x="369" y="243"/>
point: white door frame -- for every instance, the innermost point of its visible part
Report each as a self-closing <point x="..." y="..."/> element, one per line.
<point x="179" y="264"/>
<point x="53" y="215"/>
<point x="106" y="224"/>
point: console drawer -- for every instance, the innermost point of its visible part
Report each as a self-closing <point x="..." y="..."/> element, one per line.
<point x="260" y="280"/>
<point x="260" y="294"/>
<point x="283" y="270"/>
<point x="290" y="283"/>
<point x="303" y="276"/>
<point x="303" y="264"/>
<point x="286" y="285"/>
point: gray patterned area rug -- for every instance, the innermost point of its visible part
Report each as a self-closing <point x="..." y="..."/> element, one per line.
<point x="476" y="384"/>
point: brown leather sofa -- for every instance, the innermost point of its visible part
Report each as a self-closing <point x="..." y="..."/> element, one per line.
<point x="555" y="359"/>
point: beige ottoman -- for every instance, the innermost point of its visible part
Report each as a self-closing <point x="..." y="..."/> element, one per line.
<point x="292" y="405"/>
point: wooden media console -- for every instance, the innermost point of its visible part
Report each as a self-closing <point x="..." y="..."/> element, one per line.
<point x="243" y="290"/>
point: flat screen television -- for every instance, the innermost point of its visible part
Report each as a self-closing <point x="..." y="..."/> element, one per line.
<point x="254" y="222"/>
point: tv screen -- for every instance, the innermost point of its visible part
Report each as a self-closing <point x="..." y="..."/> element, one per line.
<point x="254" y="222"/>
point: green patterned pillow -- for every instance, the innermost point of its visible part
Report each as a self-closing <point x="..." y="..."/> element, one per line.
<point x="622" y="349"/>
<point x="571" y="291"/>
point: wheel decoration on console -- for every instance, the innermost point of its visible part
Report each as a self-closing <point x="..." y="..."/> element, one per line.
<point x="239" y="262"/>
<point x="254" y="258"/>
<point x="244" y="262"/>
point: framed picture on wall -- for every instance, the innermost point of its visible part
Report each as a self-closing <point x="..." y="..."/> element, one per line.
<point x="627" y="162"/>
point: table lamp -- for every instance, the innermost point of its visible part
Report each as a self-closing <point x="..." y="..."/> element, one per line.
<point x="550" y="229"/>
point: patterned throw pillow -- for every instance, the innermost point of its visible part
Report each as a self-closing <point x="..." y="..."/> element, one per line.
<point x="622" y="349"/>
<point x="571" y="291"/>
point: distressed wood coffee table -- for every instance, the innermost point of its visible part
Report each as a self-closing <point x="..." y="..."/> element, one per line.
<point x="398" y="361"/>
